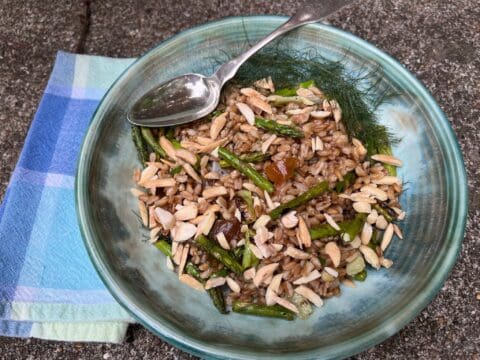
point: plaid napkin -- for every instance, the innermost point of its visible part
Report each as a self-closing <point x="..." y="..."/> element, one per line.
<point x="48" y="286"/>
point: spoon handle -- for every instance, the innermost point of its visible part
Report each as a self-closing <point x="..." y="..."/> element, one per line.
<point x="228" y="70"/>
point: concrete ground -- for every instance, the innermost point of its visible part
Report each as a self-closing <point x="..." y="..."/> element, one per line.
<point x="438" y="40"/>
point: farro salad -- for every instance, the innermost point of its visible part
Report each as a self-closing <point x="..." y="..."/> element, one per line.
<point x="268" y="204"/>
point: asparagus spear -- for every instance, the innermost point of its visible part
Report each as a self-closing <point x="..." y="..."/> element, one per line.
<point x="248" y="259"/>
<point x="139" y="145"/>
<point x="361" y="276"/>
<point x="303" y="198"/>
<point x="293" y="91"/>
<point x="382" y="211"/>
<point x="275" y="311"/>
<point x="150" y="140"/>
<point x="220" y="254"/>
<point x="174" y="171"/>
<point x="350" y="227"/>
<point x="253" y="157"/>
<point x="245" y="169"/>
<point x="164" y="247"/>
<point x="280" y="129"/>
<point x="348" y="180"/>
<point x="215" y="293"/>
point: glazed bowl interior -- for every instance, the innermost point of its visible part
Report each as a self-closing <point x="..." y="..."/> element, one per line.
<point x="135" y="271"/>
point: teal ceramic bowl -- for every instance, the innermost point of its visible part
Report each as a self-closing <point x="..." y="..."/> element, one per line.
<point x="134" y="271"/>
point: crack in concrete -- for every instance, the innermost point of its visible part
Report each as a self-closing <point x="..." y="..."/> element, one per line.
<point x="85" y="20"/>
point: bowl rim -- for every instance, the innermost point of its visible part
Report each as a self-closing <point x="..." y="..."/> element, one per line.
<point x="395" y="322"/>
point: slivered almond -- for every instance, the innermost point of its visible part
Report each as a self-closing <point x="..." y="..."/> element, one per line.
<point x="331" y="271"/>
<point x="217" y="125"/>
<point x="367" y="232"/>
<point x="247" y="112"/>
<point x="387" y="180"/>
<point x="303" y="233"/>
<point x="263" y="273"/>
<point x="266" y="144"/>
<point x="318" y="144"/>
<point x="191" y="281"/>
<point x="262" y="236"/>
<point x="296" y="253"/>
<point x="212" y="175"/>
<point x="362" y="207"/>
<point x="152" y="222"/>
<point x="175" y="246"/>
<point x="375" y="192"/>
<point x="170" y="265"/>
<point x="256" y="251"/>
<point x="214" y="152"/>
<point x="147" y="173"/>
<point x="188" y="212"/>
<point x="331" y="222"/>
<point x="289" y="220"/>
<point x="177" y="256"/>
<point x="310" y="295"/>
<point x="222" y="240"/>
<point x="401" y="216"/>
<point x="183" y="260"/>
<point x="168" y="147"/>
<point x="372" y="217"/>
<point x="286" y="304"/>
<point x="277" y="247"/>
<point x="142" y="209"/>
<point x="233" y="285"/>
<point x="387" y="237"/>
<point x="326" y="105"/>
<point x="251" y="187"/>
<point x="314" y="275"/>
<point x="159" y="183"/>
<point x="387" y="159"/>
<point x="252" y="93"/>
<point x="260" y="104"/>
<point x="270" y="297"/>
<point x="397" y="231"/>
<point x="359" y="146"/>
<point x="183" y="231"/>
<point x="238" y="215"/>
<point x="336" y="110"/>
<point x="211" y="147"/>
<point x="206" y="224"/>
<point x="362" y="197"/>
<point x="268" y="200"/>
<point x="214" y="282"/>
<point x="186" y="155"/>
<point x="333" y="251"/>
<point x="370" y="256"/>
<point x="249" y="274"/>
<point x="153" y="233"/>
<point x="262" y="221"/>
<point x="386" y="263"/>
<point x="202" y="140"/>
<point x="320" y="114"/>
<point x="214" y="191"/>
<point x="191" y="172"/>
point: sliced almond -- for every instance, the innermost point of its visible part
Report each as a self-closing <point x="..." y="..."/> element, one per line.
<point x="270" y="297"/>
<point x="263" y="273"/>
<point x="191" y="172"/>
<point x="362" y="207"/>
<point x="372" y="217"/>
<point x="318" y="144"/>
<point x="303" y="233"/>
<point x="309" y="294"/>
<point x="289" y="220"/>
<point x="159" y="183"/>
<point x="401" y="216"/>
<point x="397" y="231"/>
<point x="238" y="215"/>
<point x="147" y="173"/>
<point x="191" y="281"/>
<point x="247" y="112"/>
<point x="251" y="187"/>
<point x="217" y="126"/>
<point x="183" y="259"/>
<point x="212" y="146"/>
<point x="336" y="110"/>
<point x="359" y="146"/>
<point x="268" y="200"/>
<point x="333" y="251"/>
<point x="367" y="232"/>
<point x="252" y="92"/>
<point x="355" y="243"/>
<point x="286" y="304"/>
<point x="168" y="147"/>
<point x="314" y="275"/>
<point x="188" y="212"/>
<point x="206" y="224"/>
<point x="249" y="274"/>
<point x="387" y="159"/>
<point x="370" y="256"/>
<point x="177" y="255"/>
<point x="183" y="231"/>
<point x="331" y="271"/>
<point x="165" y="218"/>
<point x="266" y="144"/>
<point x="214" y="191"/>
<point x="387" y="237"/>
<point x="222" y="240"/>
<point x="214" y="282"/>
<point x="381" y="223"/>
<point x="331" y="222"/>
<point x="296" y="253"/>
<point x="362" y="197"/>
<point x="256" y="251"/>
<point x="375" y="192"/>
<point x="387" y="180"/>
<point x="262" y="235"/>
<point x="233" y="285"/>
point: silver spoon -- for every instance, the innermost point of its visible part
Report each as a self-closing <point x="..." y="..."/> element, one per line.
<point x="191" y="96"/>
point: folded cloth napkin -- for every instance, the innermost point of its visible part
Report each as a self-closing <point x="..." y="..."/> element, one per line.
<point x="48" y="286"/>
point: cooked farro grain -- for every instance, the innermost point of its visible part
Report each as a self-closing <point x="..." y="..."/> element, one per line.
<point x="197" y="194"/>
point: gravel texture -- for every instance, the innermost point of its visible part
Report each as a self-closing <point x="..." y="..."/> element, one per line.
<point x="438" y="40"/>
